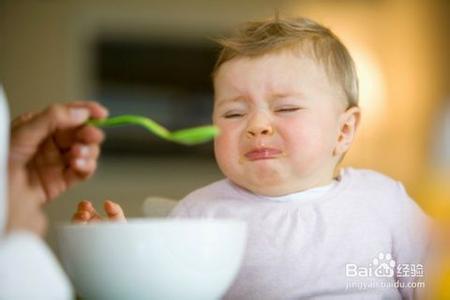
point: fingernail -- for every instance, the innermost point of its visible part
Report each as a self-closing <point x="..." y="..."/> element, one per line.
<point x="84" y="150"/>
<point x="80" y="163"/>
<point x="79" y="114"/>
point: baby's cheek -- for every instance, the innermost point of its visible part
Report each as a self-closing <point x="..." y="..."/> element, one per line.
<point x="299" y="136"/>
<point x="224" y="150"/>
<point x="222" y="142"/>
<point x="309" y="143"/>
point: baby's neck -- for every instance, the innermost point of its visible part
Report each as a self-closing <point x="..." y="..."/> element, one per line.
<point x="286" y="188"/>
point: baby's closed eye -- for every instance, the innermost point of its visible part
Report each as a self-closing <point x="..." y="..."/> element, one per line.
<point x="233" y="114"/>
<point x="287" y="108"/>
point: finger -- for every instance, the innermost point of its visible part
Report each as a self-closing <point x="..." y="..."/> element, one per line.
<point x="90" y="135"/>
<point x="82" y="161"/>
<point x="81" y="217"/>
<point x="87" y="211"/>
<point x="71" y="176"/>
<point x="85" y="205"/>
<point x="49" y="162"/>
<point x="97" y="110"/>
<point x="30" y="134"/>
<point x="83" y="151"/>
<point x="82" y="168"/>
<point x="95" y="218"/>
<point x="84" y="134"/>
<point x="114" y="211"/>
<point x="66" y="138"/>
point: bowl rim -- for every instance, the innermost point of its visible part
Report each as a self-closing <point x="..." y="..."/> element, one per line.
<point x="151" y="221"/>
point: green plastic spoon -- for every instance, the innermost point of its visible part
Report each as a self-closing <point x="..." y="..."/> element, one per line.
<point x="189" y="136"/>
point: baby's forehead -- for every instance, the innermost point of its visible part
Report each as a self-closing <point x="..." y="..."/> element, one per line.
<point x="276" y="73"/>
<point x="279" y="67"/>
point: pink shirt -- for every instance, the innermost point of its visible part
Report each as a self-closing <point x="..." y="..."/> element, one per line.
<point x="359" y="238"/>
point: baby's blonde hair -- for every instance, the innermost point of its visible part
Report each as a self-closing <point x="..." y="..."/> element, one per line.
<point x="276" y="34"/>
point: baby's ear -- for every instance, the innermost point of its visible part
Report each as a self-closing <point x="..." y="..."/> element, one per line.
<point x="348" y="124"/>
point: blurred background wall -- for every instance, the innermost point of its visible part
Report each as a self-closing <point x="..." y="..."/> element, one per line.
<point x="401" y="47"/>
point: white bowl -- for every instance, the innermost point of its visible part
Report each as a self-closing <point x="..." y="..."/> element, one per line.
<point x="153" y="258"/>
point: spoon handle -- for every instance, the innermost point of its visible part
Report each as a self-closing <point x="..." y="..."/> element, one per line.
<point x="132" y="120"/>
<point x="188" y="136"/>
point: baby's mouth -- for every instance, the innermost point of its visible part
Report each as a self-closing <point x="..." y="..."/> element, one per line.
<point x="263" y="153"/>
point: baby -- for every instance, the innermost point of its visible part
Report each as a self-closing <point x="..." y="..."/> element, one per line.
<point x="286" y="104"/>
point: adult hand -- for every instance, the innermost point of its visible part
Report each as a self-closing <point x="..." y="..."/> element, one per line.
<point x="50" y="151"/>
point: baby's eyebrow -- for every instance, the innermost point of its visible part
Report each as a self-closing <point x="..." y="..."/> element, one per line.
<point x="296" y="95"/>
<point x="223" y="101"/>
<point x="272" y="97"/>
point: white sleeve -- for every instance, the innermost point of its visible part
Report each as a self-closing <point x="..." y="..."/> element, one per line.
<point x="29" y="270"/>
<point x="411" y="245"/>
<point x="180" y="210"/>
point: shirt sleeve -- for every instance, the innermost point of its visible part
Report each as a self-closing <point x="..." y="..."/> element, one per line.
<point x="411" y="245"/>
<point x="29" y="270"/>
<point x="180" y="210"/>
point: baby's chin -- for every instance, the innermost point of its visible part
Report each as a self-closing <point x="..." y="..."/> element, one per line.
<point x="263" y="184"/>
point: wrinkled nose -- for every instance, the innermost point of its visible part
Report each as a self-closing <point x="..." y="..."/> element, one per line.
<point x="259" y="125"/>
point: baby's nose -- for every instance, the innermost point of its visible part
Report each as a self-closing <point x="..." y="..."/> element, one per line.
<point x="259" y="128"/>
<point x="260" y="131"/>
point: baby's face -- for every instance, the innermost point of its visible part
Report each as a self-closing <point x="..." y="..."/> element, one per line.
<point x="278" y="115"/>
